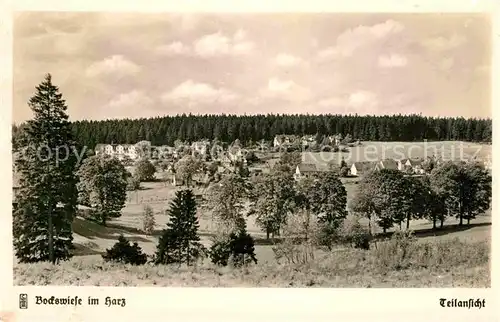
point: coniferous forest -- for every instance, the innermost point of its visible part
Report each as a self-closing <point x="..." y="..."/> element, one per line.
<point x="165" y="130"/>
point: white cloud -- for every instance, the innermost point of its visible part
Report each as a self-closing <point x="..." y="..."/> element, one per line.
<point x="287" y="60"/>
<point x="198" y="93"/>
<point x="440" y="44"/>
<point x="175" y="48"/>
<point x="277" y="85"/>
<point x="353" y="39"/>
<point x="218" y="44"/>
<point x="363" y="102"/>
<point x="285" y="89"/>
<point x="114" y="65"/>
<point x="392" y="60"/>
<point x="132" y="104"/>
<point x="133" y="99"/>
<point x="363" y="99"/>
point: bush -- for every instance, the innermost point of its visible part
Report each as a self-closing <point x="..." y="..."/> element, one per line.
<point x="238" y="249"/>
<point x="220" y="252"/>
<point x="344" y="172"/>
<point x="125" y="253"/>
<point x="302" y="234"/>
<point x="328" y="236"/>
<point x="355" y="234"/>
<point x="396" y="253"/>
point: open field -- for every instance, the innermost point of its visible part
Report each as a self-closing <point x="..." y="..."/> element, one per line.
<point x="432" y="264"/>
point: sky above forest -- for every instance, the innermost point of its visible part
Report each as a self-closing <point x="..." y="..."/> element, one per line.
<point x="124" y="65"/>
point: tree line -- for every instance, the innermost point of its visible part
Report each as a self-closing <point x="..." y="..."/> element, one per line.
<point x="252" y="128"/>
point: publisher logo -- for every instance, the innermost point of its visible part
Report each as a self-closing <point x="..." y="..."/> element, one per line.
<point x="23" y="301"/>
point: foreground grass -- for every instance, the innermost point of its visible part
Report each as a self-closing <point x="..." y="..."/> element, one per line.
<point x="450" y="263"/>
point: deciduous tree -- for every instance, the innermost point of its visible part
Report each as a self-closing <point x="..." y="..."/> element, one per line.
<point x="273" y="199"/>
<point x="145" y="170"/>
<point x="103" y="186"/>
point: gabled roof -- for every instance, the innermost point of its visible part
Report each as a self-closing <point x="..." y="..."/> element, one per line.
<point x="307" y="167"/>
<point x="388" y="164"/>
<point x="364" y="166"/>
<point x="415" y="162"/>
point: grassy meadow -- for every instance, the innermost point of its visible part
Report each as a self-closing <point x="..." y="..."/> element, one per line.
<point x="450" y="257"/>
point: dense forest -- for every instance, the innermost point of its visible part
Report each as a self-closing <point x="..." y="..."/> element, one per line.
<point x="246" y="128"/>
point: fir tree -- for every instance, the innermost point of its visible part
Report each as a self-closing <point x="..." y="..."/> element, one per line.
<point x="46" y="203"/>
<point x="180" y="242"/>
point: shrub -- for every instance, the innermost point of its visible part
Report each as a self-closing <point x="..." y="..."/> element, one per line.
<point x="238" y="249"/>
<point x="148" y="220"/>
<point x="125" y="253"/>
<point x="302" y="233"/>
<point x="397" y="252"/>
<point x="220" y="252"/>
<point x="328" y="236"/>
<point x="344" y="172"/>
<point x="355" y="234"/>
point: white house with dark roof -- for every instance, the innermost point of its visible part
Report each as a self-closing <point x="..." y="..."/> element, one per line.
<point x="414" y="165"/>
<point x="362" y="168"/>
<point x="305" y="170"/>
<point x="284" y="139"/>
<point x="119" y="151"/>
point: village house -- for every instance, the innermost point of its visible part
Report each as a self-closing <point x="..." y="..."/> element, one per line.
<point x="414" y="165"/>
<point x="235" y="154"/>
<point x="386" y="164"/>
<point x="202" y="147"/>
<point x="305" y="170"/>
<point x="308" y="140"/>
<point x="165" y="151"/>
<point x="119" y="151"/>
<point x="335" y="140"/>
<point x="362" y="168"/>
<point x="283" y="139"/>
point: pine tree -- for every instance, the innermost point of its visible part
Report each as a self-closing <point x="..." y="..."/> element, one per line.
<point x="180" y="242"/>
<point x="47" y="199"/>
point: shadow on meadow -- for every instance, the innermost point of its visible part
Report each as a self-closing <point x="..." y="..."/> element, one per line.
<point x="92" y="230"/>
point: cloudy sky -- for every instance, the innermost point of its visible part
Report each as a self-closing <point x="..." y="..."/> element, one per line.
<point x="140" y="65"/>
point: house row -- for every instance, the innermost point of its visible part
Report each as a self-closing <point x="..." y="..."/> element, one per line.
<point x="306" y="140"/>
<point x="134" y="151"/>
<point x="413" y="165"/>
<point x="361" y="168"/>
